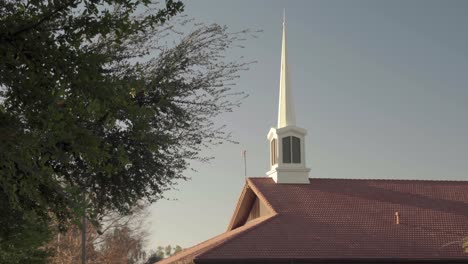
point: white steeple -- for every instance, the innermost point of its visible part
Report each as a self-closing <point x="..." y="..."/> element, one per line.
<point x="287" y="148"/>
<point x="286" y="115"/>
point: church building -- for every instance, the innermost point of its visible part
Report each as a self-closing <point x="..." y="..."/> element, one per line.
<point x="290" y="217"/>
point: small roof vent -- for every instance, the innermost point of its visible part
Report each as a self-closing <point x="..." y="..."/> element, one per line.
<point x="397" y="217"/>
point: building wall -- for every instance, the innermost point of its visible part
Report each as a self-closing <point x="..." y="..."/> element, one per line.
<point x="258" y="209"/>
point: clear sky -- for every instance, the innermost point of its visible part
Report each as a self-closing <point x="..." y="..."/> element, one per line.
<point x="381" y="87"/>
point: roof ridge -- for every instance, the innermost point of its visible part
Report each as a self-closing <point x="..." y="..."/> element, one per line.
<point x="374" y="179"/>
<point x="371" y="179"/>
<point x="261" y="196"/>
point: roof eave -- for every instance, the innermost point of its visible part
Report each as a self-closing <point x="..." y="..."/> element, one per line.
<point x="333" y="260"/>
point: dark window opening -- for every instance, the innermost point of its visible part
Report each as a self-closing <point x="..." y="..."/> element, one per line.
<point x="296" y="150"/>
<point x="287" y="150"/>
<point x="291" y="150"/>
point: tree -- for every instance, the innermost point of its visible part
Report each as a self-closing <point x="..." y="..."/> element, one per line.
<point x="21" y="234"/>
<point x="60" y="77"/>
<point x="119" y="241"/>
<point x="153" y="258"/>
<point x="168" y="250"/>
<point x="177" y="249"/>
<point x="94" y="104"/>
<point x="159" y="252"/>
<point x="163" y="252"/>
<point x="48" y="52"/>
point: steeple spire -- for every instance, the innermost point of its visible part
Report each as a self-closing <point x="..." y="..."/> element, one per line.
<point x="287" y="148"/>
<point x="286" y="115"/>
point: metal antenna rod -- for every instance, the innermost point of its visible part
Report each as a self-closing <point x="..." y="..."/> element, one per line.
<point x="244" y="153"/>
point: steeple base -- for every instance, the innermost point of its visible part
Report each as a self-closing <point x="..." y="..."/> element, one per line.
<point x="290" y="175"/>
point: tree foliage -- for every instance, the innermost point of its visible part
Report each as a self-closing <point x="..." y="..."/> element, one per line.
<point x="94" y="101"/>
<point x="21" y="235"/>
<point x="104" y="103"/>
<point x="163" y="252"/>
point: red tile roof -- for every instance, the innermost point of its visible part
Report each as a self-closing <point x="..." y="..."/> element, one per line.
<point x="186" y="256"/>
<point x="346" y="219"/>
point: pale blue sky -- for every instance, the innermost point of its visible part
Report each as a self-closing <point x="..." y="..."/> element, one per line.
<point x="381" y="87"/>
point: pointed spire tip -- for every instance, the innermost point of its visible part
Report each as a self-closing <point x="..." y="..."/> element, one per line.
<point x="284" y="15"/>
<point x="286" y="115"/>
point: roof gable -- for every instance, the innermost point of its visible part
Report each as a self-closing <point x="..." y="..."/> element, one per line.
<point x="247" y="199"/>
